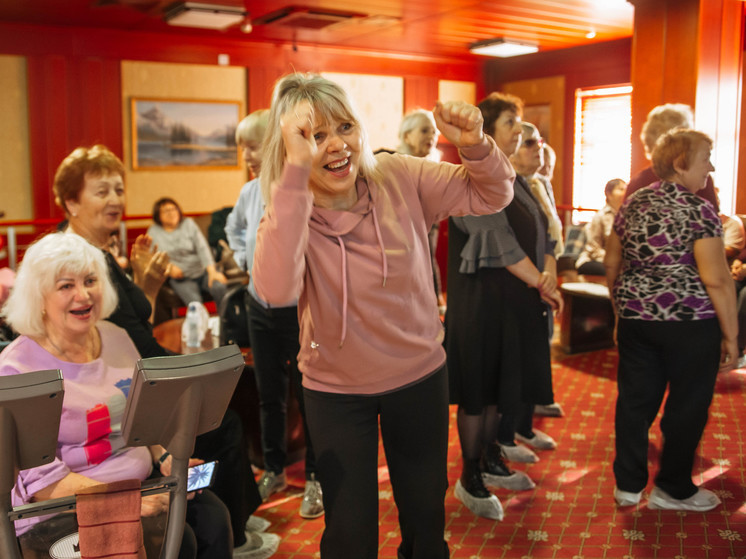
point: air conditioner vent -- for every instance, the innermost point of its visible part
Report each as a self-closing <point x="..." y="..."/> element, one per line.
<point x="306" y="18"/>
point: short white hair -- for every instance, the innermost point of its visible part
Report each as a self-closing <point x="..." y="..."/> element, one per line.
<point x="412" y="120"/>
<point x="43" y="263"/>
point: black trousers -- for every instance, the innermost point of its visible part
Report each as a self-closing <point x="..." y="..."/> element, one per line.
<point x="234" y="483"/>
<point x="414" y="429"/>
<point x="654" y="356"/>
<point x="274" y="345"/>
<point x="741" y="310"/>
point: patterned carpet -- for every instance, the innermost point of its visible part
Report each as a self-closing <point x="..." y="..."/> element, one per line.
<point x="571" y="513"/>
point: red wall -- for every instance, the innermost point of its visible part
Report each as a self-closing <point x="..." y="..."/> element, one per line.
<point x="595" y="65"/>
<point x="74" y="81"/>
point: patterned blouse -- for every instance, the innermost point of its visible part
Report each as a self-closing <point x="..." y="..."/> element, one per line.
<point x="659" y="280"/>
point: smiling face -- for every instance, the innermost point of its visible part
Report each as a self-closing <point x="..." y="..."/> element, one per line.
<point x="422" y="138"/>
<point x="336" y="164"/>
<point x="695" y="177"/>
<point x="97" y="212"/>
<point x="507" y="132"/>
<point x="73" y="306"/>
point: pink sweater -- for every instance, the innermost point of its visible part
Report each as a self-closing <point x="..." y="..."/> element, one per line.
<point x="368" y="315"/>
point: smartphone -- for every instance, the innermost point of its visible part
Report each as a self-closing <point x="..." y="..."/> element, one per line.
<point x="202" y="476"/>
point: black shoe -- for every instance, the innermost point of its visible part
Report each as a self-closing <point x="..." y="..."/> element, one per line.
<point x="493" y="462"/>
<point x="471" y="480"/>
<point x="497" y="474"/>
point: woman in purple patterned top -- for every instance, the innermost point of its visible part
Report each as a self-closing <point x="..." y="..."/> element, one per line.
<point x="676" y="322"/>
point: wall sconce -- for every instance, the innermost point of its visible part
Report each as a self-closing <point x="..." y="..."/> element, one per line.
<point x="502" y="47"/>
<point x="205" y="16"/>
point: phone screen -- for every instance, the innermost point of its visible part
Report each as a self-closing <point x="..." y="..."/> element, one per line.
<point x="199" y="477"/>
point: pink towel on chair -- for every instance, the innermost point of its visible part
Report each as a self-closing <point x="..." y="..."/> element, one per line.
<point x="109" y="521"/>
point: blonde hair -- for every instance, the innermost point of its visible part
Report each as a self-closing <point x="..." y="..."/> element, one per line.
<point x="412" y="120"/>
<point x="252" y="127"/>
<point x="44" y="262"/>
<point x="662" y="119"/>
<point x="677" y="148"/>
<point x="329" y="102"/>
<point x="70" y="176"/>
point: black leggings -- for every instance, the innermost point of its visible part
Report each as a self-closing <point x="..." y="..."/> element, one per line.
<point x="414" y="430"/>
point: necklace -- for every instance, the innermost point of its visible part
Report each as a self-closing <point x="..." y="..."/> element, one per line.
<point x="92" y="349"/>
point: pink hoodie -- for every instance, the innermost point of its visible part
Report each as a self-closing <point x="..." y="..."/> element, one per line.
<point x="368" y="315"/>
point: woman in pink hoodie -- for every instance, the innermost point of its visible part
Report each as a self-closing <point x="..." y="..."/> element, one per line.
<point x="345" y="233"/>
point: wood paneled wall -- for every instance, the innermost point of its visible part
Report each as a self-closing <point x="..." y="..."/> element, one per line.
<point x="690" y="51"/>
<point x="594" y="65"/>
<point x="74" y="81"/>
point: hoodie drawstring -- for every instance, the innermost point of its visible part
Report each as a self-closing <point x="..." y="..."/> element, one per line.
<point x="343" y="252"/>
<point x="344" y="290"/>
<point x="383" y="248"/>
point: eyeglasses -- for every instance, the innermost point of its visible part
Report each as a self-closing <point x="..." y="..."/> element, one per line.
<point x="531" y="142"/>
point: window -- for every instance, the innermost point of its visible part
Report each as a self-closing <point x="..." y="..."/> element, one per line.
<point x="603" y="129"/>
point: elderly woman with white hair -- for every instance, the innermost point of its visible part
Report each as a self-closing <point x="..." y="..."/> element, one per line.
<point x="58" y="305"/>
<point x="418" y="136"/>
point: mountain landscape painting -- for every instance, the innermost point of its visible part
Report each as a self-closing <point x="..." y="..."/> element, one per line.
<point x="168" y="134"/>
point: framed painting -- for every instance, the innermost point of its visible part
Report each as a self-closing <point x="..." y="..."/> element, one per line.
<point x="179" y="134"/>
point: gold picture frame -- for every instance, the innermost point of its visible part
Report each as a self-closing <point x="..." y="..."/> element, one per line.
<point x="170" y="134"/>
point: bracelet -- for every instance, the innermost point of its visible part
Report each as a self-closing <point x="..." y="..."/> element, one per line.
<point x="163" y="457"/>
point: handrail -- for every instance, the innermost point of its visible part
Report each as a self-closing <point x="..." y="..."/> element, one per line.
<point x="12" y="243"/>
<point x="56" y="220"/>
<point x="12" y="233"/>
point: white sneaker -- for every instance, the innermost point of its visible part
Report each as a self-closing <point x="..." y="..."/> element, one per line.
<point x="702" y="500"/>
<point x="270" y="483"/>
<point x="518" y="453"/>
<point x="257" y="546"/>
<point x="312" y="505"/>
<point x="489" y="507"/>
<point x="540" y="440"/>
<point x="626" y="498"/>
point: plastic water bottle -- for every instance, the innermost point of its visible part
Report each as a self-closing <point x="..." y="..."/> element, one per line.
<point x="192" y="321"/>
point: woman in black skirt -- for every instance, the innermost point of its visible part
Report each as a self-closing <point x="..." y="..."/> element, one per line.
<point x="501" y="284"/>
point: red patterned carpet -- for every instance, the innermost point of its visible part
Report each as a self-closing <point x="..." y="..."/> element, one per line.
<point x="571" y="514"/>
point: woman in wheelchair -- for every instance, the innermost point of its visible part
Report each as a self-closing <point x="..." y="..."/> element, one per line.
<point x="59" y="302"/>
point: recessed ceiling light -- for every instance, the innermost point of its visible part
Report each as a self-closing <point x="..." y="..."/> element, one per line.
<point x="502" y="47"/>
<point x="205" y="16"/>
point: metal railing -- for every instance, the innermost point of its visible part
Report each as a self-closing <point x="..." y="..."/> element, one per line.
<point x="12" y="250"/>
